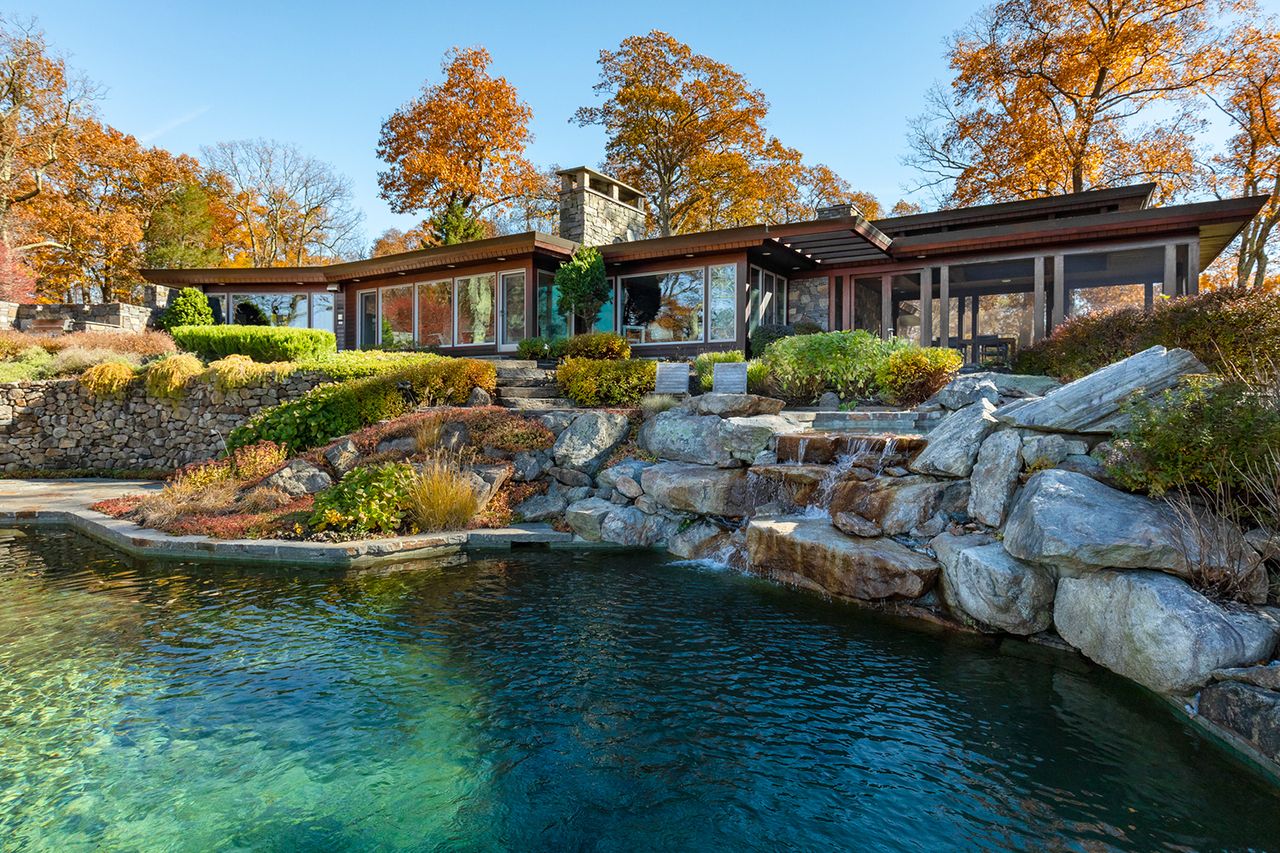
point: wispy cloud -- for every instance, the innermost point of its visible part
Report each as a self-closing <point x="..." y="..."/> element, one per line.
<point x="173" y="124"/>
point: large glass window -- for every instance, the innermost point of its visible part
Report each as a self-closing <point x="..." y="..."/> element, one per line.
<point x="664" y="307"/>
<point x="274" y="309"/>
<point x="322" y="311"/>
<point x="397" y="317"/>
<point x="513" y="307"/>
<point x="218" y="305"/>
<point x="476" y="305"/>
<point x="551" y="323"/>
<point x="605" y="317"/>
<point x="1111" y="279"/>
<point x="723" y="302"/>
<point x="369" y="319"/>
<point x="435" y="314"/>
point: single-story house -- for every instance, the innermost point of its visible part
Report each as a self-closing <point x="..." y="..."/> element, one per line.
<point x="991" y="276"/>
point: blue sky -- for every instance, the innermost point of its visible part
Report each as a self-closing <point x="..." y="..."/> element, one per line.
<point x="842" y="78"/>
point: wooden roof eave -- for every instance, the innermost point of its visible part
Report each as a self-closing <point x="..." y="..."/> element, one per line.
<point x="1146" y="222"/>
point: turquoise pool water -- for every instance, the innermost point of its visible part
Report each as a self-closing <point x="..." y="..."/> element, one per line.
<point x="557" y="701"/>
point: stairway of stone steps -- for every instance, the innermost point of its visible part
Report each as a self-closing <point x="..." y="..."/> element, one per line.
<point x="523" y="385"/>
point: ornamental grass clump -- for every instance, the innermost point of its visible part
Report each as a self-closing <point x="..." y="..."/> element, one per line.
<point x="108" y="379"/>
<point x="240" y="371"/>
<point x="73" y="361"/>
<point x="440" y="497"/>
<point x="167" y="378"/>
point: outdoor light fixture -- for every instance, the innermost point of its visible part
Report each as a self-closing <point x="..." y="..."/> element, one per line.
<point x="333" y="287"/>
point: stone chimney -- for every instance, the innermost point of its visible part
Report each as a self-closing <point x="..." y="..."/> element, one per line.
<point x="596" y="210"/>
<point x="838" y="211"/>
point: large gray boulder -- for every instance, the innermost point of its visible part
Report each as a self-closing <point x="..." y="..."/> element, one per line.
<point x="1072" y="522"/>
<point x="342" y="455"/>
<point x="954" y="442"/>
<point x="698" y="489"/>
<point x="1155" y="629"/>
<point x="964" y="391"/>
<point x="699" y="540"/>
<point x="996" y="590"/>
<point x="895" y="504"/>
<point x="682" y="437"/>
<point x="731" y="405"/>
<point x="811" y="553"/>
<point x="298" y="478"/>
<point x="635" y="529"/>
<point x="541" y="507"/>
<point x="628" y="467"/>
<point x="745" y="437"/>
<point x="1045" y="450"/>
<point x="587" y="516"/>
<point x="589" y="439"/>
<point x="995" y="476"/>
<point x="1095" y="403"/>
<point x="1251" y="712"/>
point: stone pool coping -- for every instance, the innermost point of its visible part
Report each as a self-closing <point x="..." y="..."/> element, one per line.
<point x="65" y="503"/>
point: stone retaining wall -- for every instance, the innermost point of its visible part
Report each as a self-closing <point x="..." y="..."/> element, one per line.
<point x="58" y="425"/>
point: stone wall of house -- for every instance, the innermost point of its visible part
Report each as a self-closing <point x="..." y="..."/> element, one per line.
<point x="58" y="425"/>
<point x="808" y="301"/>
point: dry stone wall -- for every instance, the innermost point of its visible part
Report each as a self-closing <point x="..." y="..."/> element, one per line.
<point x="59" y="425"/>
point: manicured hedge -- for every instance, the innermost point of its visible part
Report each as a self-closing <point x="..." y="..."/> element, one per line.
<point x="1229" y="330"/>
<point x="597" y="345"/>
<point x="598" y="382"/>
<point x="329" y="411"/>
<point x="260" y="343"/>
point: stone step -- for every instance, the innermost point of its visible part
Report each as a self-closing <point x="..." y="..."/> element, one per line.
<point x="508" y="374"/>
<point x="512" y="363"/>
<point x="524" y="383"/>
<point x="528" y="392"/>
<point x="536" y="404"/>
<point x="877" y="422"/>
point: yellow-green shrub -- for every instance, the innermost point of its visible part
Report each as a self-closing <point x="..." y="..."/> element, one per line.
<point x="704" y="366"/>
<point x="592" y="382"/>
<point x="240" y="371"/>
<point x="168" y="377"/>
<point x="603" y="345"/>
<point x="108" y="379"/>
<point x="440" y="497"/>
<point x="910" y="376"/>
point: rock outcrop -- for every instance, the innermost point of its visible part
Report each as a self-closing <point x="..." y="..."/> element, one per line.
<point x="996" y="590"/>
<point x="1095" y="403"/>
<point x="682" y="437"/>
<point x="895" y="504"/>
<point x="995" y="476"/>
<point x="1250" y="712"/>
<point x="954" y="442"/>
<point x="589" y="439"/>
<point x="1156" y="630"/>
<point x="812" y="553"/>
<point x="698" y="489"/>
<point x="298" y="478"/>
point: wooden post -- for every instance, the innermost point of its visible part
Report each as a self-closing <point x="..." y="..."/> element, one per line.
<point x="1148" y="295"/>
<point x="926" y="306"/>
<point x="1193" y="267"/>
<point x="944" y="307"/>
<point x="837" y="303"/>
<point x="1037" y="302"/>
<point x="1059" y="290"/>
<point x="973" y="328"/>
<point x="886" y="305"/>
<point x="960" y="303"/>
<point x="1170" y="284"/>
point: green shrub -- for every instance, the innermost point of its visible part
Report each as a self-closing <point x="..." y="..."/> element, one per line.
<point x="27" y="364"/>
<point x="603" y="345"/>
<point x="260" y="343"/>
<point x="189" y="308"/>
<point x="371" y="499"/>
<point x="1204" y="433"/>
<point x="355" y="363"/>
<point x="326" y="412"/>
<point x="542" y="348"/>
<point x="910" y="376"/>
<point x="592" y="382"/>
<point x="168" y="377"/>
<point x="704" y="366"/>
<point x="803" y="366"/>
<point x="767" y="333"/>
<point x="76" y="360"/>
<point x="1230" y="330"/>
<point x="758" y="378"/>
<point x="582" y="284"/>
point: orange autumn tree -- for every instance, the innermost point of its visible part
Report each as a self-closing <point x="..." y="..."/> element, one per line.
<point x="95" y="207"/>
<point x="1059" y="96"/>
<point x="689" y="132"/>
<point x="1249" y="98"/>
<point x="458" y="149"/>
